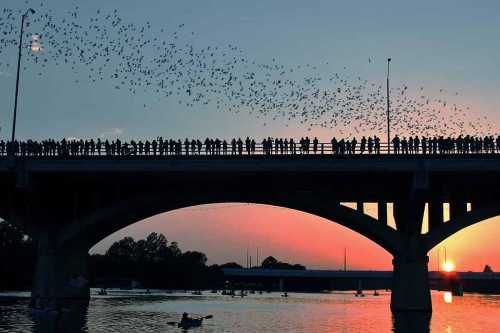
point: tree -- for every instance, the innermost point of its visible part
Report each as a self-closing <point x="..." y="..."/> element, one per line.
<point x="194" y="258"/>
<point x="156" y="247"/>
<point x="487" y="269"/>
<point x="17" y="257"/>
<point x="230" y="265"/>
<point x="123" y="250"/>
<point x="273" y="263"/>
<point x="269" y="263"/>
<point x="174" y="249"/>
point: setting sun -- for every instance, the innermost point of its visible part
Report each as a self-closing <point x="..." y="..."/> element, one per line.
<point x="448" y="266"/>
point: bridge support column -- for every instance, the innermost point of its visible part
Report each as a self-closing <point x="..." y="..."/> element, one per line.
<point x="61" y="275"/>
<point x="360" y="207"/>
<point x="410" y="290"/>
<point x="457" y="208"/>
<point x="382" y="212"/>
<point x="435" y="214"/>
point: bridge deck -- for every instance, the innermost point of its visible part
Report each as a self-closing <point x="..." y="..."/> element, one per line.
<point x="296" y="163"/>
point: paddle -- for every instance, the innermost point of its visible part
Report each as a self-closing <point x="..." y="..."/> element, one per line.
<point x="173" y="323"/>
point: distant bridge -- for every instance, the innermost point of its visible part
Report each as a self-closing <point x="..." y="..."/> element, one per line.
<point x="333" y="274"/>
<point x="70" y="204"/>
<point x="348" y="280"/>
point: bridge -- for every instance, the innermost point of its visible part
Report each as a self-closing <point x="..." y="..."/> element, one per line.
<point x="68" y="204"/>
<point x="319" y="280"/>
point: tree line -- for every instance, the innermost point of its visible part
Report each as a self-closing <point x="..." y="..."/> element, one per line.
<point x="153" y="262"/>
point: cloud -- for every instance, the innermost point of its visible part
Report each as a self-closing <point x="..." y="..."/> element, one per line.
<point x="112" y="133"/>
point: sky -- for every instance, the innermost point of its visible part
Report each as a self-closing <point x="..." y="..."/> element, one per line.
<point x="449" y="45"/>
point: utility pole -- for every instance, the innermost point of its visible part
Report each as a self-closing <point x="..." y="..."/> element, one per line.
<point x="438" y="261"/>
<point x="345" y="259"/>
<point x="258" y="256"/>
<point x="388" y="110"/>
<point x="23" y="18"/>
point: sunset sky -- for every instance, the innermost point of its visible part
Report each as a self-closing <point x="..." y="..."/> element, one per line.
<point x="450" y="45"/>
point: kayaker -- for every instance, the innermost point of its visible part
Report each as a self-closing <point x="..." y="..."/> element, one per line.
<point x="186" y="320"/>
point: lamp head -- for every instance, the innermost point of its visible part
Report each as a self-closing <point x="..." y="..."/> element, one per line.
<point x="389" y="59"/>
<point x="31" y="10"/>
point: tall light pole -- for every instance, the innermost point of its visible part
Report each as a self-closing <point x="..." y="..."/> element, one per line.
<point x="388" y="109"/>
<point x="23" y="18"/>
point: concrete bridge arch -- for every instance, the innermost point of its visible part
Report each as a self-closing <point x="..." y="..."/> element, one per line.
<point x="63" y="251"/>
<point x="459" y="223"/>
<point x="96" y="225"/>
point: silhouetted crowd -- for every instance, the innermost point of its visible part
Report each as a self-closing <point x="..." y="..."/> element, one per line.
<point x="268" y="146"/>
<point x="441" y="145"/>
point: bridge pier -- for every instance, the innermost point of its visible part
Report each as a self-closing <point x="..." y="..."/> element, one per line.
<point x="410" y="290"/>
<point x="61" y="275"/>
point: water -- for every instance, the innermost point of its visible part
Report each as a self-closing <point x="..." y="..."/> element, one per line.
<point x="129" y="311"/>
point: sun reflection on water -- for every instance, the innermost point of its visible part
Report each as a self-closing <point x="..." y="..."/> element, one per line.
<point x="448" y="297"/>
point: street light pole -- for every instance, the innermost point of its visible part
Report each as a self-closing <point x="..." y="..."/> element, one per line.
<point x="23" y="18"/>
<point x="388" y="110"/>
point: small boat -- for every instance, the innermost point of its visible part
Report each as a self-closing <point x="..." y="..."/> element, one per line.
<point x="102" y="292"/>
<point x="190" y="322"/>
<point x="285" y="294"/>
<point x="359" y="292"/>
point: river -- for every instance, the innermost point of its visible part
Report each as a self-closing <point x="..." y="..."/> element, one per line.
<point x="135" y="311"/>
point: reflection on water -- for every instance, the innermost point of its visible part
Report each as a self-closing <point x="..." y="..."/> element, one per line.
<point x="411" y="322"/>
<point x="448" y="297"/>
<point x="322" y="313"/>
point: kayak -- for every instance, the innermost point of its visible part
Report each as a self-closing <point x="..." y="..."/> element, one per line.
<point x="190" y="323"/>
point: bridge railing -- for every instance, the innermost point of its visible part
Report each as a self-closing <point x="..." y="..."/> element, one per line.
<point x="126" y="150"/>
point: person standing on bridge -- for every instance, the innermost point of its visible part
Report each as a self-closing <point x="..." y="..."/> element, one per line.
<point x="376" y="141"/>
<point x="2" y="148"/>
<point x="404" y="145"/>
<point x="362" y="146"/>
<point x="354" y="142"/>
<point x="239" y="143"/>
<point x="186" y="146"/>
<point x="247" y="145"/>
<point x="224" y="147"/>
<point x="335" y="146"/>
<point x="348" y="147"/>
<point x="293" y="147"/>
<point x="395" y="143"/>
<point x="416" y="144"/>
<point x="315" y="145"/>
<point x="217" y="146"/>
